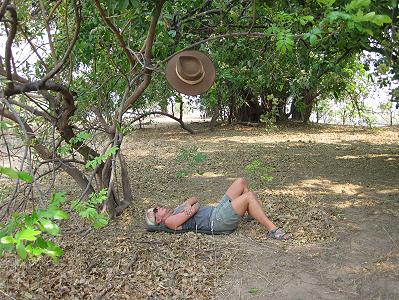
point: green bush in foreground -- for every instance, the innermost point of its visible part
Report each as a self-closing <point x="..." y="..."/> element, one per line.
<point x="29" y="234"/>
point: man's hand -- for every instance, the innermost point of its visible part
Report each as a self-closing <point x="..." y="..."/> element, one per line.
<point x="191" y="210"/>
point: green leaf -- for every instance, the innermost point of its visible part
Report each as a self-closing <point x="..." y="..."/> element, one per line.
<point x="100" y="222"/>
<point x="53" y="250"/>
<point x="53" y="212"/>
<point x="98" y="198"/>
<point x="172" y="33"/>
<point x="35" y="251"/>
<point x="379" y="20"/>
<point x="7" y="240"/>
<point x="88" y="213"/>
<point x="59" y="214"/>
<point x="92" y="164"/>
<point x="181" y="174"/>
<point x="21" y="251"/>
<point x="357" y="4"/>
<point x="9" y="172"/>
<point x="285" y="41"/>
<point x="5" y="124"/>
<point x="28" y="234"/>
<point x="77" y="206"/>
<point x="80" y="137"/>
<point x="335" y="15"/>
<point x="25" y="176"/>
<point x="123" y="4"/>
<point x="326" y="2"/>
<point x="253" y="290"/>
<point x="313" y="39"/>
<point x="306" y="19"/>
<point x="50" y="227"/>
<point x="6" y="247"/>
<point x="58" y="198"/>
<point x="64" y="150"/>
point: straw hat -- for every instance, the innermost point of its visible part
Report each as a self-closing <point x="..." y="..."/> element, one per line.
<point x="190" y="72"/>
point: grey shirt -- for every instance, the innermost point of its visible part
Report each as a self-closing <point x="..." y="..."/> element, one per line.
<point x="200" y="221"/>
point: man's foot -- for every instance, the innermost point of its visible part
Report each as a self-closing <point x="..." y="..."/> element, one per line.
<point x="278" y="234"/>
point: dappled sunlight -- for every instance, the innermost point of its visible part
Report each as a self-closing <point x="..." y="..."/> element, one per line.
<point x="355" y="203"/>
<point x="208" y="175"/>
<point x="147" y="201"/>
<point x="391" y="267"/>
<point x="387" y="157"/>
<point x="159" y="167"/>
<point x="321" y="185"/>
<point x="391" y="191"/>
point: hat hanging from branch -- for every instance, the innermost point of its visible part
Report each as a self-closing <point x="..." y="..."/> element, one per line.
<point x="190" y="72"/>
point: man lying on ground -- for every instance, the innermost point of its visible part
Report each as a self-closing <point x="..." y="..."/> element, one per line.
<point x="226" y="216"/>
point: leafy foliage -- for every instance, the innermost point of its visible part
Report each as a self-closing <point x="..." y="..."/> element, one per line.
<point x="88" y="209"/>
<point x="92" y="164"/>
<point x="78" y="138"/>
<point x="258" y="173"/>
<point x="190" y="160"/>
<point x="302" y="53"/>
<point x="28" y="234"/>
<point x="13" y="174"/>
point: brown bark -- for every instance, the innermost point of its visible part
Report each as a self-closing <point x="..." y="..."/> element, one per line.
<point x="216" y="111"/>
<point x="126" y="189"/>
<point x="308" y="99"/>
<point x="182" y="124"/>
<point x="45" y="154"/>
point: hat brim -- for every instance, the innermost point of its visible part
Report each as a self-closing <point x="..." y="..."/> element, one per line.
<point x="191" y="89"/>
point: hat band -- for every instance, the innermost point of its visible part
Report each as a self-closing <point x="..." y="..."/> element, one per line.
<point x="191" y="82"/>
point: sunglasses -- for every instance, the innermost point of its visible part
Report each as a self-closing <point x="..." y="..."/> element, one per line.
<point x="155" y="210"/>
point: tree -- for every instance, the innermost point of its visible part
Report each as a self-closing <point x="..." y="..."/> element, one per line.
<point x="93" y="63"/>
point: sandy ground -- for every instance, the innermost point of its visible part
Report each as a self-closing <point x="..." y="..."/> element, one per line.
<point x="334" y="189"/>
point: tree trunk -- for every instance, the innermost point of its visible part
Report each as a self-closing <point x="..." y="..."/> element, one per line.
<point x="282" y="115"/>
<point x="216" y="111"/>
<point x="127" y="191"/>
<point x="231" y="108"/>
<point x="296" y="115"/>
<point x="164" y="108"/>
<point x="308" y="100"/>
<point x="250" y="111"/>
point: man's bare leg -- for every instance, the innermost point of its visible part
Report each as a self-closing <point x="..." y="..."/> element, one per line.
<point x="243" y="200"/>
<point x="248" y="202"/>
<point x="237" y="188"/>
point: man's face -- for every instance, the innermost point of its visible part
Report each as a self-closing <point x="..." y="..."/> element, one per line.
<point x="159" y="213"/>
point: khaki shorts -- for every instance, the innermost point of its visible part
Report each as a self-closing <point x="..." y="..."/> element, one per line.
<point x="224" y="217"/>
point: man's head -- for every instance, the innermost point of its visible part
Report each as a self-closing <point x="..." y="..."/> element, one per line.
<point x="156" y="215"/>
<point x="150" y="216"/>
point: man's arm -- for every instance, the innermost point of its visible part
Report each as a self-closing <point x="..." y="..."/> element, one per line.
<point x="191" y="201"/>
<point x="188" y="206"/>
<point x="175" y="221"/>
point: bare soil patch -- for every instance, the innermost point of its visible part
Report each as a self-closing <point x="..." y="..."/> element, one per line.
<point x="334" y="188"/>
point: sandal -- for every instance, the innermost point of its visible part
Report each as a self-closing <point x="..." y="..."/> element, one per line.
<point x="278" y="234"/>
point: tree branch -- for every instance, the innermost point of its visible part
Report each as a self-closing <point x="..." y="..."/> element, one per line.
<point x="34" y="49"/>
<point x="10" y="39"/>
<point x="183" y="125"/>
<point x="118" y="35"/>
<point x="46" y="154"/>
<point x="34" y="111"/>
<point x="3" y="8"/>
<point x="147" y="55"/>
<point x="216" y="37"/>
<point x="61" y="63"/>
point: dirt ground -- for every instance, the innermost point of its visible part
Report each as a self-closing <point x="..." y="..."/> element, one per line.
<point x="334" y="189"/>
